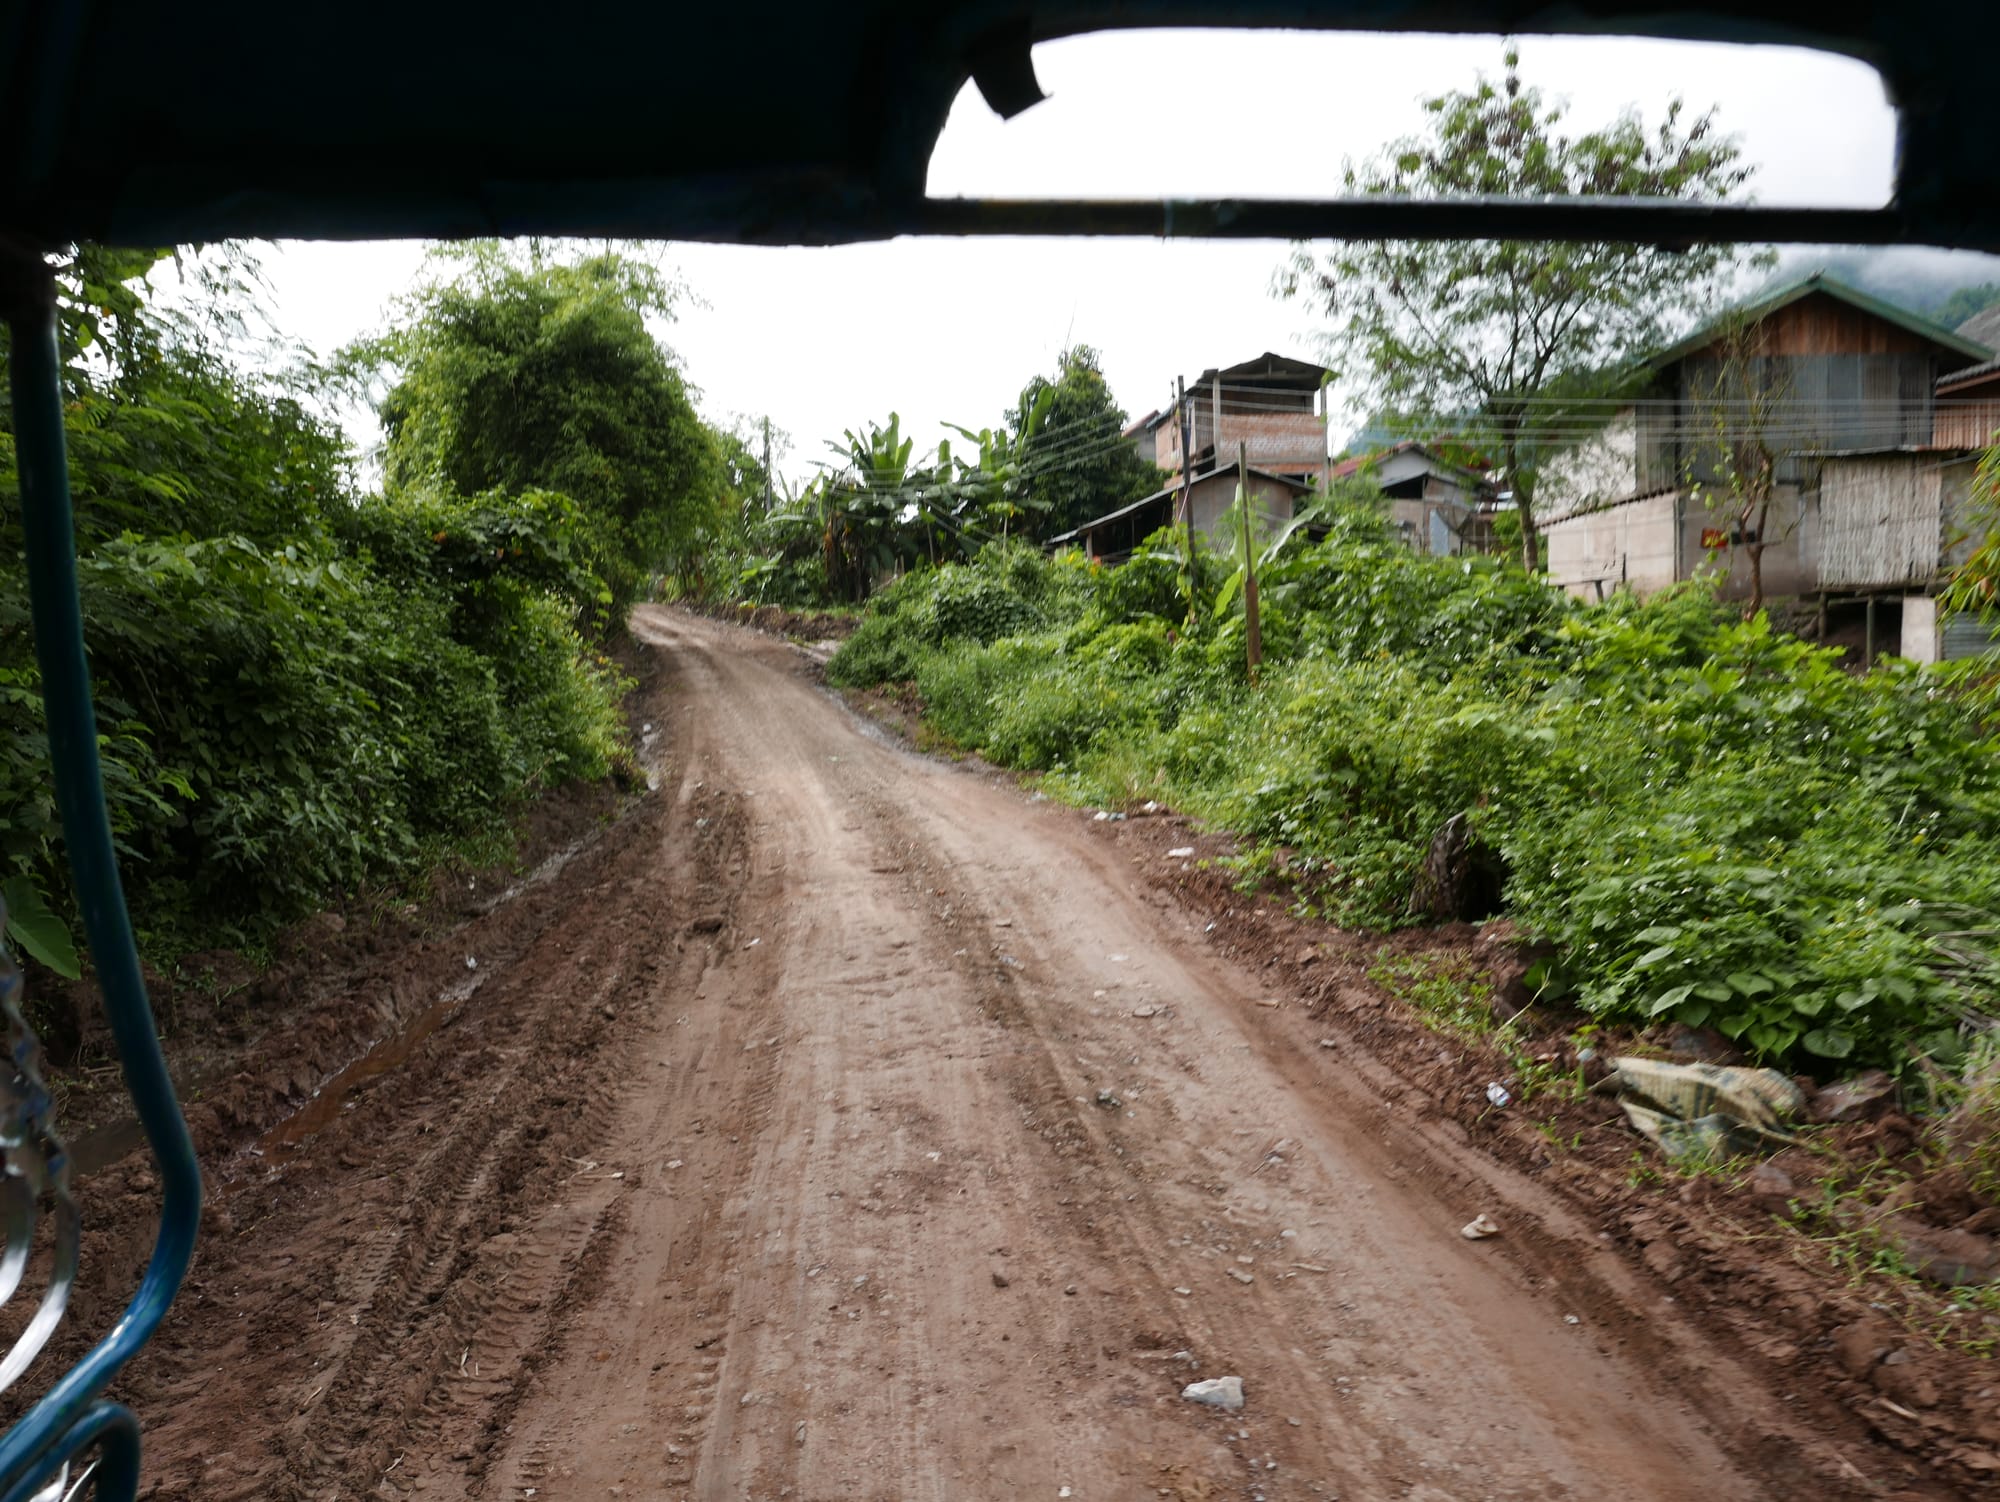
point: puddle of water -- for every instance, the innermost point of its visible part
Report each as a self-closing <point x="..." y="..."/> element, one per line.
<point x="280" y="1143"/>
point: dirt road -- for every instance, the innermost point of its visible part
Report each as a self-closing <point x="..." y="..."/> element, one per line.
<point x="846" y="1124"/>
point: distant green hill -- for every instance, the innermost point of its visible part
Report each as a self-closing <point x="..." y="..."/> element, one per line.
<point x="1945" y="286"/>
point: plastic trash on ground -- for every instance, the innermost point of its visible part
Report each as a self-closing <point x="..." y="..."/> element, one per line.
<point x="1705" y="1110"/>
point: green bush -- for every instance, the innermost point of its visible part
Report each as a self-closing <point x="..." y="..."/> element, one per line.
<point x="1711" y="822"/>
<point x="1007" y="590"/>
<point x="993" y="700"/>
<point x="300" y="691"/>
<point x="288" y="725"/>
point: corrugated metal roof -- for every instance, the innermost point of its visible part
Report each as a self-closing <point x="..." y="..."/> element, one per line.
<point x="1281" y="366"/>
<point x="1983" y="327"/>
<point x="1360" y="462"/>
<point x="1969" y="451"/>
<point x="1624" y="500"/>
<point x="1983" y="371"/>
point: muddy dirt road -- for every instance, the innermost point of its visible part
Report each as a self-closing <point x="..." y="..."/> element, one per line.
<point x="844" y="1124"/>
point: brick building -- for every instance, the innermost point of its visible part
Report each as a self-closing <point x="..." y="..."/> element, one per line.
<point x="1274" y="406"/>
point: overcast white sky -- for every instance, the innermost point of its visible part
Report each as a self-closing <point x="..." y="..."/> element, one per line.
<point x="943" y="330"/>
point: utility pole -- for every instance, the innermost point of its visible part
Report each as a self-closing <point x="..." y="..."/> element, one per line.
<point x="1187" y="493"/>
<point x="1253" y="633"/>
<point x="767" y="465"/>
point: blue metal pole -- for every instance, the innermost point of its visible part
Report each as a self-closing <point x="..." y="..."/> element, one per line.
<point x="47" y="525"/>
<point x="109" y="1425"/>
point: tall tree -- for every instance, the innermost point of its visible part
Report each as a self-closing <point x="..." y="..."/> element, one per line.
<point x="1499" y="344"/>
<point x="522" y="371"/>
<point x="1075" y="462"/>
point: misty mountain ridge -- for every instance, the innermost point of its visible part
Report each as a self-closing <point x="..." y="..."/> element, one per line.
<point x="1946" y="286"/>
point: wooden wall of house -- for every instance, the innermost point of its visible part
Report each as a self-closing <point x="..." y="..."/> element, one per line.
<point x="1963" y="422"/>
<point x="1968" y="416"/>
<point x="1835" y="377"/>
<point x="1820" y="324"/>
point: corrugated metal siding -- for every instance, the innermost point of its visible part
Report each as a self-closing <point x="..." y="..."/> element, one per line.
<point x="1658" y="463"/>
<point x="1968" y="636"/>
<point x="1837" y="401"/>
<point x="1881" y="521"/>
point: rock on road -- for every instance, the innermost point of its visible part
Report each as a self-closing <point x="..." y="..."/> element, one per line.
<point x="813" y="1149"/>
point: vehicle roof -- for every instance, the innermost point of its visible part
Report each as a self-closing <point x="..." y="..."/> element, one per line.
<point x="776" y="121"/>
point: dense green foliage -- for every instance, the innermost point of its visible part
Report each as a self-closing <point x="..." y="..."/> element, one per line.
<point x="1974" y="587"/>
<point x="517" y="374"/>
<point x="301" y="689"/>
<point x="1085" y="466"/>
<point x="1058" y="457"/>
<point x="1713" y="823"/>
<point x="1500" y="348"/>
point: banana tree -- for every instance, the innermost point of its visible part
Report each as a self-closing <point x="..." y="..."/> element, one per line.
<point x="996" y="487"/>
<point x="1245" y="546"/>
<point x="862" y="505"/>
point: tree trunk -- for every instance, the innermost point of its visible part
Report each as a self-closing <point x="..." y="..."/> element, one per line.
<point x="1524" y="508"/>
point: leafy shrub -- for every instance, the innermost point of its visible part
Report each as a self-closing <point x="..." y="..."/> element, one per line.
<point x="299" y="691"/>
<point x="970" y="605"/>
<point x="1713" y="823"/>
<point x="1006" y="591"/>
<point x="992" y="699"/>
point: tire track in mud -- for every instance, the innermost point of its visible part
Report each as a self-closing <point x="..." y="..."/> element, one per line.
<point x="413" y="1261"/>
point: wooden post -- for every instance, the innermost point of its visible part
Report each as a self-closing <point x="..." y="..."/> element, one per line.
<point x="1187" y="490"/>
<point x="767" y="466"/>
<point x="1868" y="638"/>
<point x="1253" y="634"/>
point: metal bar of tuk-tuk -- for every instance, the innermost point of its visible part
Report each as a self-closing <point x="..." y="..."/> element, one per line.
<point x="70" y="1417"/>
